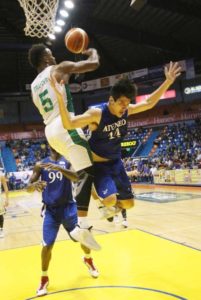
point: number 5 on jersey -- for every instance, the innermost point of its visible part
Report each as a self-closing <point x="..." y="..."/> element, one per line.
<point x="46" y="102"/>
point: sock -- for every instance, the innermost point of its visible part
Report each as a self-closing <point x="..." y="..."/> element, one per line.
<point x="44" y="273"/>
<point x="83" y="223"/>
<point x="124" y="214"/>
<point x="87" y="255"/>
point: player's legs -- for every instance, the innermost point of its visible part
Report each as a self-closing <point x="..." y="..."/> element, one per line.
<point x="113" y="186"/>
<point x="77" y="234"/>
<point x="69" y="221"/>
<point x="50" y="231"/>
<point x="125" y="197"/>
<point x="73" y="146"/>
<point x="1" y="226"/>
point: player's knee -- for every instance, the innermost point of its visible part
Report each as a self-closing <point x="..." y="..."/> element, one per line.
<point x="110" y="200"/>
<point x="127" y="204"/>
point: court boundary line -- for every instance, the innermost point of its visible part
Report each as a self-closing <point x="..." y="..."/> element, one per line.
<point x="113" y="286"/>
<point x="170" y="240"/>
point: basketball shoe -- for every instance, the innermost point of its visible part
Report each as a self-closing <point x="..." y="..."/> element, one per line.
<point x="108" y="212"/>
<point x="84" y="237"/>
<point x="42" y="290"/>
<point x="90" y="265"/>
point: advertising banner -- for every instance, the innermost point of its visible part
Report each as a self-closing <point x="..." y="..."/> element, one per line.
<point x="179" y="177"/>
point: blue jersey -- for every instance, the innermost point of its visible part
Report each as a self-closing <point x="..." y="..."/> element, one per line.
<point x="58" y="191"/>
<point x="106" y="140"/>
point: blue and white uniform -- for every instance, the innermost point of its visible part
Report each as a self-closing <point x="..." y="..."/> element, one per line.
<point x="60" y="207"/>
<point x="105" y="141"/>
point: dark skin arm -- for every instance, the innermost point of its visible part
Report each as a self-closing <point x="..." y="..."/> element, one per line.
<point x="38" y="185"/>
<point x="34" y="183"/>
<point x="67" y="173"/>
<point x="63" y="70"/>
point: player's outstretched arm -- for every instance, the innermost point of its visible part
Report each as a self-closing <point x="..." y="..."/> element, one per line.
<point x="71" y="122"/>
<point x="171" y="73"/>
<point x="69" y="67"/>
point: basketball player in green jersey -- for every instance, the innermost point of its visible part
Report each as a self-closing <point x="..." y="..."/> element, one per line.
<point x="71" y="144"/>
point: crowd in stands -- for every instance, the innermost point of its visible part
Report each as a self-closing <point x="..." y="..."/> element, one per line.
<point x="28" y="152"/>
<point x="178" y="146"/>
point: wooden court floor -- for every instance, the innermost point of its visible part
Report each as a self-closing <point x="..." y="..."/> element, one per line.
<point x="157" y="257"/>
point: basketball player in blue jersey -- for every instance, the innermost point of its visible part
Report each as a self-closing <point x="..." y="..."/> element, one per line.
<point x="59" y="208"/>
<point x="109" y="126"/>
<point x="71" y="144"/>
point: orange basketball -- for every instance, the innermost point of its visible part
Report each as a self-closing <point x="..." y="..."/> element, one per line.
<point x="76" y="40"/>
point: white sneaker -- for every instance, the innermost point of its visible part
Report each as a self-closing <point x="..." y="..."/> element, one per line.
<point x="1" y="233"/>
<point x="108" y="212"/>
<point x="91" y="267"/>
<point x="116" y="219"/>
<point x="42" y="290"/>
<point x="85" y="237"/>
<point x="124" y="223"/>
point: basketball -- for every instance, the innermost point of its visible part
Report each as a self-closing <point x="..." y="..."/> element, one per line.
<point x="76" y="40"/>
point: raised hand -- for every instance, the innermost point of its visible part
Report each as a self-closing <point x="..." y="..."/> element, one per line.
<point x="172" y="71"/>
<point x="38" y="185"/>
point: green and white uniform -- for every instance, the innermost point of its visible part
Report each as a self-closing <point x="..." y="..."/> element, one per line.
<point x="71" y="144"/>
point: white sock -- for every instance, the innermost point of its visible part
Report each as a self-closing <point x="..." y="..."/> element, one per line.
<point x="87" y="255"/>
<point x="44" y="273"/>
<point x="83" y="222"/>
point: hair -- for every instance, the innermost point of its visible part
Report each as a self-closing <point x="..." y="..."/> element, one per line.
<point x="123" y="87"/>
<point x="35" y="54"/>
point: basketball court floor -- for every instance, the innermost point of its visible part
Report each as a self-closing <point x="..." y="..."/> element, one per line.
<point x="157" y="257"/>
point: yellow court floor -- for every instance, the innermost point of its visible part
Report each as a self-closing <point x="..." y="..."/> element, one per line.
<point x="133" y="265"/>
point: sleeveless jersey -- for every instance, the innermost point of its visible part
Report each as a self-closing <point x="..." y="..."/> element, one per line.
<point x="59" y="189"/>
<point x="106" y="140"/>
<point x="45" y="99"/>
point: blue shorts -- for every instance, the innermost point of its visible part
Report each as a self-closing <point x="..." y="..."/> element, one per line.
<point x="111" y="178"/>
<point x="54" y="217"/>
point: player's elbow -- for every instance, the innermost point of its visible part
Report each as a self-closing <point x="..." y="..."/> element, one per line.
<point x="69" y="125"/>
<point x="94" y="65"/>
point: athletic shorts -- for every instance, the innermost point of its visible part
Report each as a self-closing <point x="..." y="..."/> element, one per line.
<point x="111" y="178"/>
<point x="54" y="217"/>
<point x="71" y="144"/>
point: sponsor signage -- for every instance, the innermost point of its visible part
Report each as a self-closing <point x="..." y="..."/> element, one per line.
<point x="167" y="95"/>
<point x="192" y="89"/>
<point x="135" y="75"/>
<point x="131" y="143"/>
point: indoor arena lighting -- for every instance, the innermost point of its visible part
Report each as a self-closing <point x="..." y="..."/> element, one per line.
<point x="57" y="29"/>
<point x="60" y="22"/>
<point x="51" y="36"/>
<point x="69" y="4"/>
<point x="63" y="13"/>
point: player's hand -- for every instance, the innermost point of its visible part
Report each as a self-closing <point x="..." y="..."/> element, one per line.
<point x="50" y="166"/>
<point x="39" y="185"/>
<point x="89" y="51"/>
<point x="172" y="71"/>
